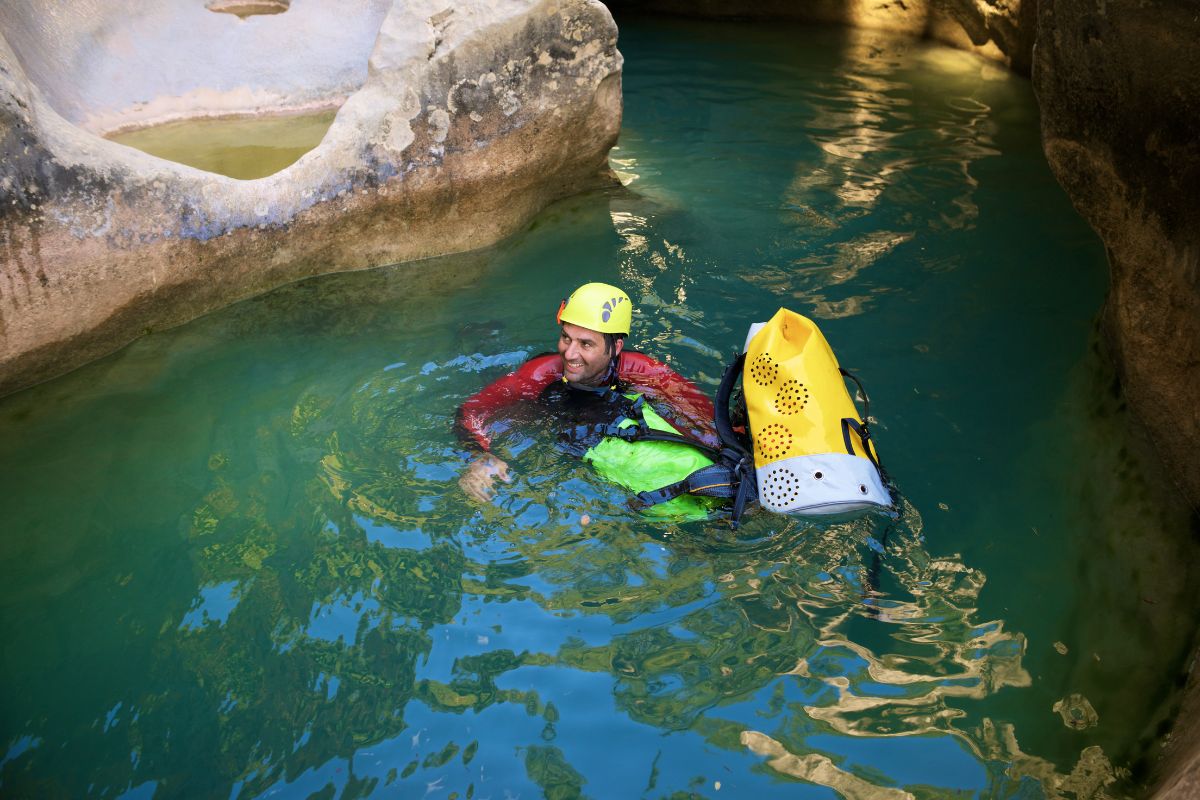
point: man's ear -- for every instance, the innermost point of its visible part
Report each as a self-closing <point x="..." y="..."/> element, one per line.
<point x="620" y="343"/>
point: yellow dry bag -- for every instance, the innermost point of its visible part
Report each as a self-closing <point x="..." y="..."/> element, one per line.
<point x="812" y="452"/>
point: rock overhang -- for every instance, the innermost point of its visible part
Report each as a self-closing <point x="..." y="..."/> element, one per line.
<point x="467" y="120"/>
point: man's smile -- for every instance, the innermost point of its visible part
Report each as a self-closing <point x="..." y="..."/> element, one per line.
<point x="585" y="353"/>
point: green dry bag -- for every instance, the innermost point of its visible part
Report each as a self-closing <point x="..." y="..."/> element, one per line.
<point x="642" y="466"/>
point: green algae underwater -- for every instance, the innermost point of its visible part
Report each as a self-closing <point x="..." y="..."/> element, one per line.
<point x="240" y="147"/>
<point x="237" y="563"/>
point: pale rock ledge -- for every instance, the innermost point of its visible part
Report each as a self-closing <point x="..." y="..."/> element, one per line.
<point x="457" y="123"/>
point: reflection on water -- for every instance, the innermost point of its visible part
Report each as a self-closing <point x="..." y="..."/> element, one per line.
<point x="237" y="562"/>
<point x="240" y="147"/>
<point x="869" y="144"/>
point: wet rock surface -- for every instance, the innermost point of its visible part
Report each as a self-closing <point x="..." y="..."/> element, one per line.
<point x="1076" y="712"/>
<point x="1120" y="111"/>
<point x="469" y="120"/>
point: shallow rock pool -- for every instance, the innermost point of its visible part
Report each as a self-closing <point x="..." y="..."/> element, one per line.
<point x="240" y="147"/>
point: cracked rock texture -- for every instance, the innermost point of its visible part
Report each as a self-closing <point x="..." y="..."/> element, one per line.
<point x="457" y="123"/>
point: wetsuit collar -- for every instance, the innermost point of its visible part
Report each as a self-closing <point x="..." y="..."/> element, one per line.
<point x="606" y="384"/>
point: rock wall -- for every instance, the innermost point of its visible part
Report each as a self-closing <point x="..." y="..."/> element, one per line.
<point x="1117" y="87"/>
<point x="467" y="120"/>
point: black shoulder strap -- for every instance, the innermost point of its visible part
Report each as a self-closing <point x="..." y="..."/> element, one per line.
<point x="732" y="475"/>
<point x="729" y="437"/>
<point x="714" y="480"/>
<point x="861" y="429"/>
<point x="730" y="478"/>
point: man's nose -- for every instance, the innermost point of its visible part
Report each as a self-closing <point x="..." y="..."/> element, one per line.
<point x="572" y="351"/>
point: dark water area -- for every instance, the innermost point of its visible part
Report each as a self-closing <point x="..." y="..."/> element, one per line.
<point x="237" y="563"/>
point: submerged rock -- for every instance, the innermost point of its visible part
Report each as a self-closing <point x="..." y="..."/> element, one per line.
<point x="457" y="123"/>
<point x="1077" y="712"/>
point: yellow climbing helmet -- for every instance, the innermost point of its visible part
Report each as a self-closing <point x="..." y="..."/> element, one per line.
<point x="598" y="307"/>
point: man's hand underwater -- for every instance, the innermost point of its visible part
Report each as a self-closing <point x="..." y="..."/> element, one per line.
<point x="477" y="481"/>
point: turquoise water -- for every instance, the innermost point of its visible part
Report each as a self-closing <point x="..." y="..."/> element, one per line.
<point x="236" y="561"/>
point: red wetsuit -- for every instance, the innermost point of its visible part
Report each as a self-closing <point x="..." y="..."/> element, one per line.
<point x="637" y="372"/>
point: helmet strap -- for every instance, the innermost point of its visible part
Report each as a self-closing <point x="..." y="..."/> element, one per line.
<point x="606" y="383"/>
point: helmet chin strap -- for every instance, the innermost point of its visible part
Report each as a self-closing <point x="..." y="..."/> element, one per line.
<point x="607" y="382"/>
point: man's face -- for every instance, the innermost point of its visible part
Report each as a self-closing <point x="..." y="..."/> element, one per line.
<point x="584" y="353"/>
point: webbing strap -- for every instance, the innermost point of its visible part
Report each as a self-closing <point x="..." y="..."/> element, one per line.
<point x="663" y="494"/>
<point x="746" y="492"/>
<point x="715" y="480"/>
<point x="860" y="428"/>
<point x="864" y="436"/>
<point x="585" y="433"/>
<point x="735" y="451"/>
<point x="652" y="435"/>
<point x="729" y="437"/>
<point x="633" y="413"/>
<point x="861" y="390"/>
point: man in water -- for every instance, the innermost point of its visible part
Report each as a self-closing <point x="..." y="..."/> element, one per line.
<point x="594" y="322"/>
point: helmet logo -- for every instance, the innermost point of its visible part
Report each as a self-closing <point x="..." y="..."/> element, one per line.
<point x="611" y="306"/>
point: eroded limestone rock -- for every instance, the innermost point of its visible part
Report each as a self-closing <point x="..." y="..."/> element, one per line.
<point x="465" y="120"/>
<point x="1120" y="103"/>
